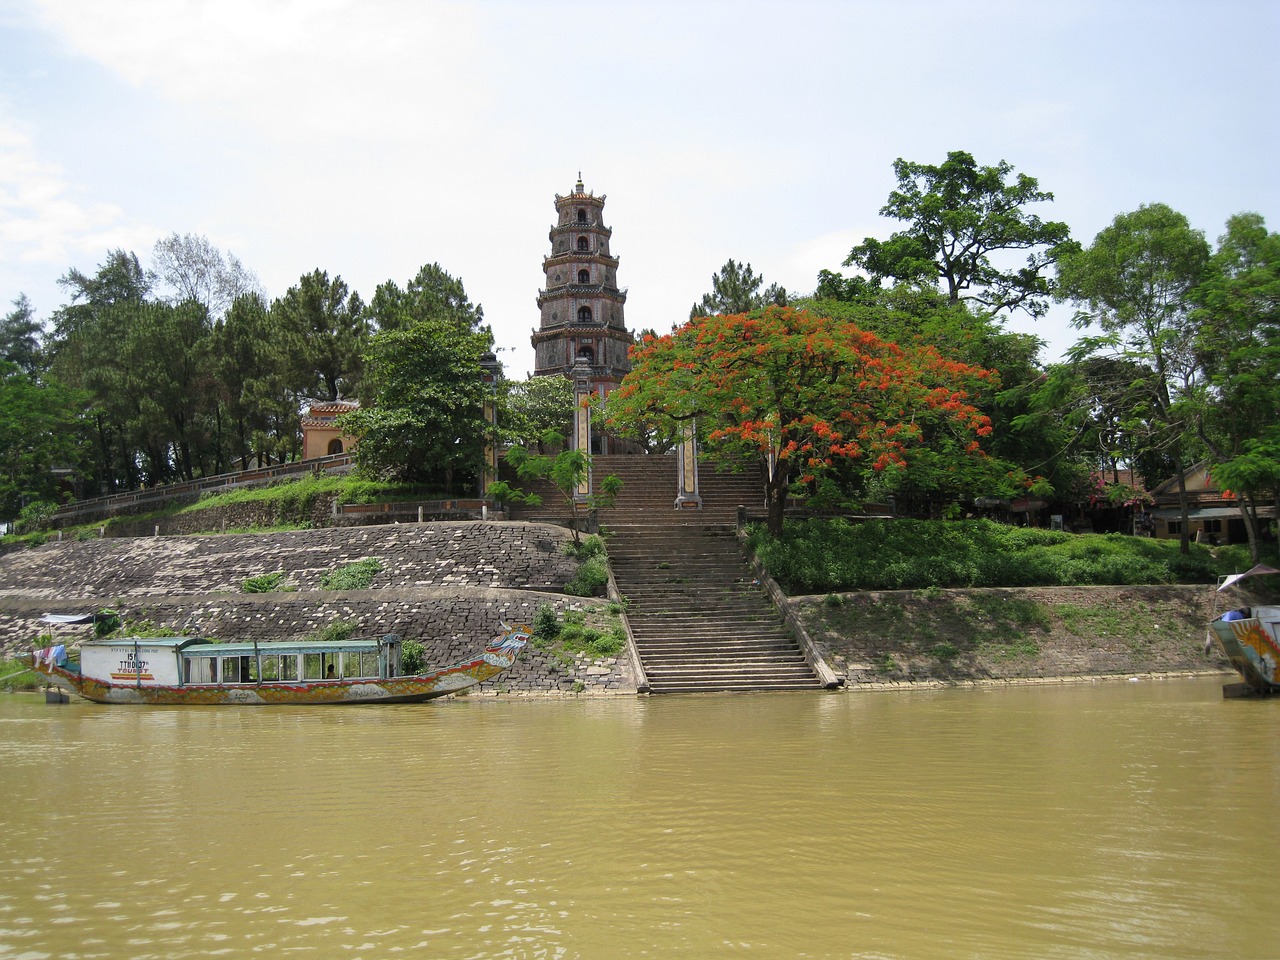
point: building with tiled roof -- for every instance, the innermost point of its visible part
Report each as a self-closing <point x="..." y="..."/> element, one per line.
<point x="320" y="435"/>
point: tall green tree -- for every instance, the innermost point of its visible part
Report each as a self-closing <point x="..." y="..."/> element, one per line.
<point x="423" y="414"/>
<point x="1135" y="283"/>
<point x="258" y="413"/>
<point x="323" y="328"/>
<point x="736" y="288"/>
<point x="431" y="295"/>
<point x="535" y="406"/>
<point x="20" y="335"/>
<point x="1238" y="344"/>
<point x="86" y="353"/>
<point x="958" y="215"/>
<point x="38" y="433"/>
<point x="168" y="377"/>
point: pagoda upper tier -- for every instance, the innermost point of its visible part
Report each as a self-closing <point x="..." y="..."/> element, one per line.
<point x="580" y="303"/>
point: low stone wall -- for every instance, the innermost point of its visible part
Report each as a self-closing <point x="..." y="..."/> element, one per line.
<point x="237" y="516"/>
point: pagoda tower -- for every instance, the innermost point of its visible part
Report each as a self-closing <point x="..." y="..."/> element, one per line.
<point x="581" y="304"/>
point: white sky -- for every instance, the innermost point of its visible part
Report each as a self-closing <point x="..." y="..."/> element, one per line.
<point x="368" y="137"/>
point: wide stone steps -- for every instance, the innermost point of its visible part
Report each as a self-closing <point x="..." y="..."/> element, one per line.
<point x="700" y="621"/>
<point x="649" y="490"/>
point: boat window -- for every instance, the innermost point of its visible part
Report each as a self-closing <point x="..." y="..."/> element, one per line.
<point x="312" y="668"/>
<point x="200" y="670"/>
<point x="235" y="669"/>
<point x="289" y="667"/>
<point x="270" y="668"/>
<point x="360" y="664"/>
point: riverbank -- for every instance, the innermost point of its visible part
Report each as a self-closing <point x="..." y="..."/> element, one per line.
<point x="1006" y="635"/>
<point x="450" y="584"/>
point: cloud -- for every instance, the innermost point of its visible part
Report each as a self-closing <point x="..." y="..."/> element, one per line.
<point x="327" y="69"/>
<point x="42" y="218"/>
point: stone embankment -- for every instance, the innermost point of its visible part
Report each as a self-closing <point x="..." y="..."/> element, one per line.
<point x="448" y="585"/>
<point x="895" y="638"/>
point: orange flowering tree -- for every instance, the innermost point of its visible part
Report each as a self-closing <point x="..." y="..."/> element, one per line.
<point x="817" y="398"/>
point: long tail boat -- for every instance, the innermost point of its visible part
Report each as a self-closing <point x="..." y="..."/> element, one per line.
<point x="190" y="670"/>
<point x="1249" y="633"/>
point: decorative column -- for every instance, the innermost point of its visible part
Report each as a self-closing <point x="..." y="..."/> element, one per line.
<point x="687" y="461"/>
<point x="489" y="471"/>
<point x="582" y="421"/>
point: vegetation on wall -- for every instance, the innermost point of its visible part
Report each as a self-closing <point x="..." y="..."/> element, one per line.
<point x="817" y="556"/>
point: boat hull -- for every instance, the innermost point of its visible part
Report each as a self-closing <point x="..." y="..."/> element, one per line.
<point x="1252" y="650"/>
<point x="409" y="689"/>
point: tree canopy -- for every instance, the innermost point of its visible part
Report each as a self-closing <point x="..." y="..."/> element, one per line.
<point x="812" y="396"/>
<point x="1135" y="282"/>
<point x="422" y="414"/>
<point x="325" y="333"/>
<point x="958" y="215"/>
<point x="1237" y="341"/>
<point x="735" y="288"/>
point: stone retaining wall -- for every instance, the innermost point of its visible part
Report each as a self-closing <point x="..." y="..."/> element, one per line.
<point x="236" y="516"/>
<point x="448" y="585"/>
<point x="461" y="553"/>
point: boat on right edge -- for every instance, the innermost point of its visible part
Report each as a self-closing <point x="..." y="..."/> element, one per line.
<point x="1249" y="632"/>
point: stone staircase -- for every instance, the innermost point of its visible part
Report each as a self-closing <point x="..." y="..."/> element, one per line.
<point x="700" y="621"/>
<point x="649" y="488"/>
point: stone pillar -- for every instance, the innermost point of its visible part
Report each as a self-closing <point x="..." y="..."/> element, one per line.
<point x="687" y="463"/>
<point x="582" y="422"/>
<point x="489" y="470"/>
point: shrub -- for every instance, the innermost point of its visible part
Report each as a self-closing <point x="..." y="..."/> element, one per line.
<point x="352" y="576"/>
<point x="820" y="556"/>
<point x="337" y="631"/>
<point x="413" y="657"/>
<point x="266" y="583"/>
<point x="546" y="625"/>
<point x="591" y="579"/>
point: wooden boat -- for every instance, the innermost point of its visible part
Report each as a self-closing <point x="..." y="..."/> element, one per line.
<point x="190" y="670"/>
<point x="1249" y="633"/>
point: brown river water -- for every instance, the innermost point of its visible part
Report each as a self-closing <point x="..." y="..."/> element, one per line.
<point x="1075" y="820"/>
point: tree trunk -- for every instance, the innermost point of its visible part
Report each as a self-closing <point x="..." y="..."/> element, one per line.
<point x="776" y="495"/>
<point x="1248" y="513"/>
<point x="1184" y="540"/>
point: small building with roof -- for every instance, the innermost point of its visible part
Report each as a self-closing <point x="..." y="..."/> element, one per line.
<point x="321" y="436"/>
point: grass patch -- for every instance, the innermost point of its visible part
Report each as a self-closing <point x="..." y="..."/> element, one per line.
<point x="596" y="633"/>
<point x="267" y="583"/>
<point x="352" y="576"/>
<point x="1135" y="625"/>
<point x="16" y="675"/>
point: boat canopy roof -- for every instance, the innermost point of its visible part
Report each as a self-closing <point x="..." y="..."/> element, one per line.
<point x="68" y="619"/>
<point x="1258" y="571"/>
<point x="280" y="648"/>
<point x="175" y="642"/>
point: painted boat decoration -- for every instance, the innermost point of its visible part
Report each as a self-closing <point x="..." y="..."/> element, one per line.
<point x="190" y="670"/>
<point x="1249" y="634"/>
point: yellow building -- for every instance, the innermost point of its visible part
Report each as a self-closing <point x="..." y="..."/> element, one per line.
<point x="320" y="436"/>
